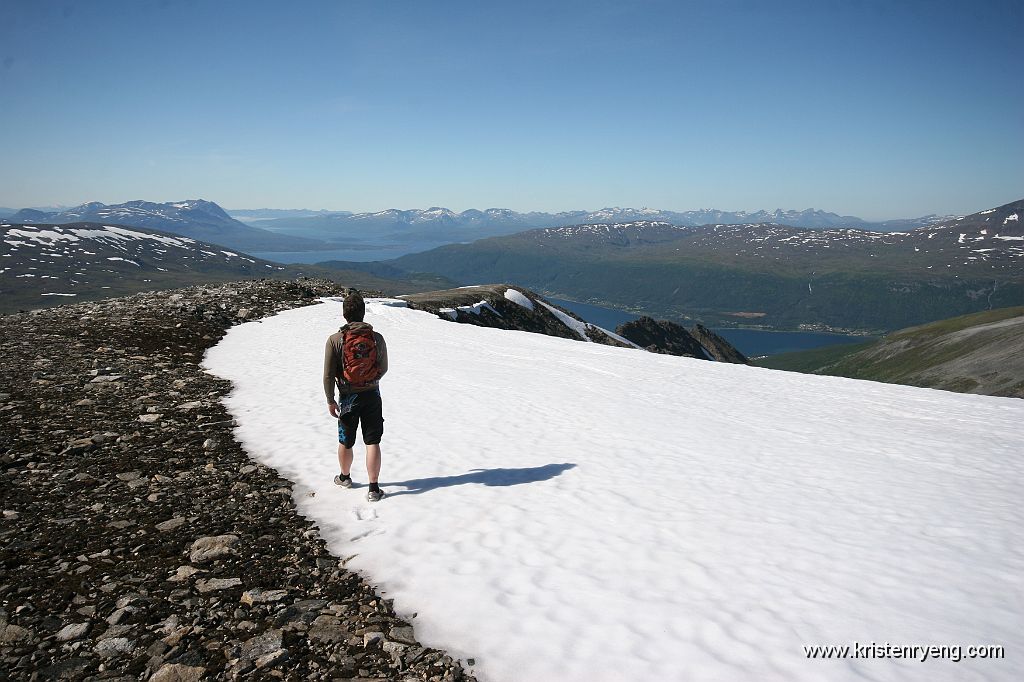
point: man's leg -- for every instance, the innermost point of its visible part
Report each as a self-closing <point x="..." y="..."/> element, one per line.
<point x="372" y="462"/>
<point x="345" y="459"/>
<point x="346" y="439"/>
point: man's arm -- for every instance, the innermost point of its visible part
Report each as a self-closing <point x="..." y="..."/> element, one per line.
<point x="382" y="356"/>
<point x="330" y="372"/>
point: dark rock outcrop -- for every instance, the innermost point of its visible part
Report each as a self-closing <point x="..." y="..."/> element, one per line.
<point x="717" y="347"/>
<point x="662" y="336"/>
<point x="139" y="540"/>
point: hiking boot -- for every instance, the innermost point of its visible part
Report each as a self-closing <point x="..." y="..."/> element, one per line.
<point x="375" y="496"/>
<point x="343" y="482"/>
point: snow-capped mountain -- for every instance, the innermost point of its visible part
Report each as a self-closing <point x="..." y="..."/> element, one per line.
<point x="195" y="218"/>
<point x="748" y="517"/>
<point x="44" y="264"/>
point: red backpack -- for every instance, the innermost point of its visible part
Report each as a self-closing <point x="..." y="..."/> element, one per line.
<point x="359" y="357"/>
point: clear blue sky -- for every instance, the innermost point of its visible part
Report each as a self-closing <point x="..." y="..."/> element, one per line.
<point x="870" y="108"/>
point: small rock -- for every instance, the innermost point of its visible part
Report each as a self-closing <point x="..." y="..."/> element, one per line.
<point x="184" y="573"/>
<point x="129" y="475"/>
<point x="273" y="658"/>
<point x="260" y="645"/>
<point x="190" y="405"/>
<point x="372" y="639"/>
<point x="394" y="649"/>
<point x="403" y="633"/>
<point x="171" y="524"/>
<point x="214" y="584"/>
<point x="178" y="672"/>
<point x="12" y="634"/>
<point x="79" y="446"/>
<point x="118" y="616"/>
<point x="263" y="596"/>
<point x="149" y="418"/>
<point x="115" y="646"/>
<point x="211" y="547"/>
<point x="328" y="629"/>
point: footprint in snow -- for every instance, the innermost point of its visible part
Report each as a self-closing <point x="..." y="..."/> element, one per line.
<point x="364" y="514"/>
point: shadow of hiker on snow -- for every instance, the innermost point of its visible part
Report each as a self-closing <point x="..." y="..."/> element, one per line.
<point x="492" y="477"/>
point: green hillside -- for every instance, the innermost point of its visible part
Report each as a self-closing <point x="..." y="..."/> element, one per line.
<point x="978" y="353"/>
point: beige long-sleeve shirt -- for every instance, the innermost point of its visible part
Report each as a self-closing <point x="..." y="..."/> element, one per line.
<point x="333" y="362"/>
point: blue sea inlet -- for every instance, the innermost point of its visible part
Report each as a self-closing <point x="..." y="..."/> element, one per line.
<point x="750" y="342"/>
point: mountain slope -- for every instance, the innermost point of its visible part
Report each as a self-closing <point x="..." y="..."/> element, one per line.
<point x="572" y="511"/>
<point x="767" y="274"/>
<point x="196" y="218"/>
<point x="977" y="353"/>
<point x="48" y="264"/>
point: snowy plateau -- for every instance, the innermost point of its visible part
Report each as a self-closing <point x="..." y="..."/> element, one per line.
<point x="561" y="510"/>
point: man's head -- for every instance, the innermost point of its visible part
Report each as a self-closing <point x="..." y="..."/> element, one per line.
<point x="354" y="308"/>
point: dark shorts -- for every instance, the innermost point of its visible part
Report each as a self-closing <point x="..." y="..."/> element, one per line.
<point x="366" y="412"/>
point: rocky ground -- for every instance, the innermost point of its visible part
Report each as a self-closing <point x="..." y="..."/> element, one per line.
<point x="139" y="540"/>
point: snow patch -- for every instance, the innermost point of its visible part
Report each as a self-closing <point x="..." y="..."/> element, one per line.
<point x="785" y="510"/>
<point x="475" y="309"/>
<point x="39" y="236"/>
<point x="571" y="322"/>
<point x="519" y="298"/>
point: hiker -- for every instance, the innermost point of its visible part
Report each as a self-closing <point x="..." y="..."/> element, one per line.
<point x="355" y="359"/>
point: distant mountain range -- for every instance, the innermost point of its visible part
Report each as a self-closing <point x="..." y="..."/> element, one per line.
<point x="437" y="224"/>
<point x="196" y="218"/>
<point x="278" y="230"/>
<point x="756" y="274"/>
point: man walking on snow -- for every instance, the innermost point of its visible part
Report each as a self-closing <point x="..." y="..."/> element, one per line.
<point x="355" y="359"/>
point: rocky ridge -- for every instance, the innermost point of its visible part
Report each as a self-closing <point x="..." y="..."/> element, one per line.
<point x="503" y="306"/>
<point x="140" y="541"/>
<point x="669" y="338"/>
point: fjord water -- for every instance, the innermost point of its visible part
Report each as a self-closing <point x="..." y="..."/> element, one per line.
<point x="751" y="342"/>
<point x="357" y="252"/>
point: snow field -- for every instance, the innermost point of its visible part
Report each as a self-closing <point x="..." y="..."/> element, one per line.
<point x="561" y="510"/>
